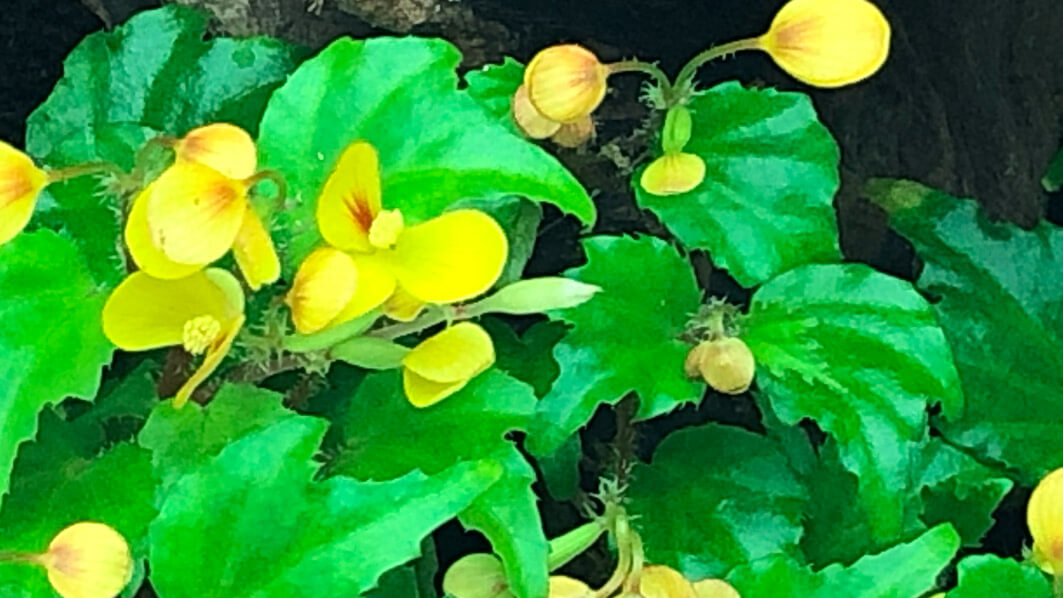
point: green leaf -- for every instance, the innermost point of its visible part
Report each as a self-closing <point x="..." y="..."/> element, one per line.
<point x="55" y="485"/>
<point x="765" y="205"/>
<point x="988" y="576"/>
<point x="528" y="357"/>
<point x="1053" y="179"/>
<point x="1001" y="306"/>
<point x="715" y="497"/>
<point x="859" y="352"/>
<point x="410" y="581"/>
<point x="384" y="436"/>
<point x="370" y="352"/>
<point x="250" y="522"/>
<point x="508" y="515"/>
<point x="51" y="344"/>
<point x="648" y="293"/>
<point x="436" y="145"/>
<point x="157" y="71"/>
<point x="561" y="469"/>
<point x="493" y="87"/>
<point x="904" y="571"/>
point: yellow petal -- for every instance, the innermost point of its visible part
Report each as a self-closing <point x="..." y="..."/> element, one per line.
<point x="215" y="354"/>
<point x="147" y="313"/>
<point x="565" y="82"/>
<point x="194" y="212"/>
<point x="715" y="588"/>
<point x="149" y="258"/>
<point x="568" y="587"/>
<point x="828" y="43"/>
<point x="221" y="146"/>
<point x="458" y="353"/>
<point x="673" y="173"/>
<point x="21" y="182"/>
<point x="477" y="575"/>
<point x="1044" y="516"/>
<point x="88" y="560"/>
<point x="450" y="258"/>
<point x="422" y="392"/>
<point x="350" y="200"/>
<point x="375" y="284"/>
<point x="659" y="581"/>
<point x="530" y="120"/>
<point x="323" y="285"/>
<point x="254" y="252"/>
<point x="574" y="134"/>
<point x="403" y="306"/>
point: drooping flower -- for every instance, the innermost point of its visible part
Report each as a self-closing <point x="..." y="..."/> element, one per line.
<point x="1044" y="516"/>
<point x="566" y="83"/>
<point x="447" y="259"/>
<point x="828" y="43"/>
<point x="202" y="312"/>
<point x="537" y="126"/>
<point x="21" y="183"/>
<point x="192" y="215"/>
<point x="88" y="560"/>
<point x="443" y="364"/>
<point x="673" y="173"/>
<point x="477" y="575"/>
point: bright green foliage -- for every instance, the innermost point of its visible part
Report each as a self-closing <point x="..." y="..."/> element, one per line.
<point x="528" y="357"/>
<point x="904" y="571"/>
<point x="493" y="87"/>
<point x="390" y="92"/>
<point x="859" y="352"/>
<point x="251" y="522"/>
<point x="385" y="437"/>
<point x="51" y="343"/>
<point x="715" y="497"/>
<point x="55" y="484"/>
<point x="410" y="581"/>
<point x="1053" y="179"/>
<point x="1001" y="306"/>
<point x="771" y="174"/>
<point x="625" y="340"/>
<point x="988" y="576"/>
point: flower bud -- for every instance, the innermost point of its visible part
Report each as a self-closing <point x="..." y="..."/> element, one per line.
<point x="672" y="174"/>
<point x="1044" y="516"/>
<point x="678" y="126"/>
<point x="478" y="575"/>
<point x="727" y="365"/>
<point x="536" y="295"/>
<point x="659" y="581"/>
<point x="224" y="147"/>
<point x="88" y="560"/>
<point x="565" y="83"/>
<point x="828" y="43"/>
<point x="715" y="588"/>
<point x="567" y="587"/>
<point x="21" y="182"/>
<point x="574" y="134"/>
<point x="571" y="544"/>
<point x="530" y="120"/>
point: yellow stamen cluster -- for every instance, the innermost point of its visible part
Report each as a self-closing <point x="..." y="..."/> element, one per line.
<point x="200" y="333"/>
<point x="386" y="228"/>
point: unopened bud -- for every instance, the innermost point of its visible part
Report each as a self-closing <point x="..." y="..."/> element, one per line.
<point x="715" y="588"/>
<point x="659" y="581"/>
<point x="88" y="560"/>
<point x="727" y="365"/>
<point x="537" y="295"/>
<point x="566" y="82"/>
<point x="571" y="544"/>
<point x="478" y="575"/>
<point x="678" y="126"/>
<point x="529" y="119"/>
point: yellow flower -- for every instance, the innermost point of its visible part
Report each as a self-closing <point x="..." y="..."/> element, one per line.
<point x="568" y="587"/>
<point x="673" y="173"/>
<point x="88" y="560"/>
<point x="224" y="147"/>
<point x="828" y="43"/>
<point x="447" y="259"/>
<point x="565" y="83"/>
<point x="443" y="364"/>
<point x="478" y="575"/>
<point x="192" y="215"/>
<point x="1044" y="516"/>
<point x="202" y="312"/>
<point x="21" y="182"/>
<point x="715" y="588"/>
<point x="659" y="581"/>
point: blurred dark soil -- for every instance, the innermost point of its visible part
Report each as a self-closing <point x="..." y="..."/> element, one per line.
<point x="969" y="102"/>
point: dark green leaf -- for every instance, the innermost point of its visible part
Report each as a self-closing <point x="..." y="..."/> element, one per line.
<point x="625" y="339"/>
<point x="1001" y="306"/>
<point x="1053" y="179"/>
<point x="860" y="353"/>
<point x="51" y="344"/>
<point x="715" y="497"/>
<point x="528" y="357"/>
<point x="771" y="174"/>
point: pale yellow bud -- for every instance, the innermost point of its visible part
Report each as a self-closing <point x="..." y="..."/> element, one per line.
<point x="529" y="119"/>
<point x="575" y="134"/>
<point x="727" y="365"/>
<point x="715" y="588"/>
<point x="565" y="83"/>
<point x="478" y="575"/>
<point x="659" y="581"/>
<point x="567" y="587"/>
<point x="88" y="560"/>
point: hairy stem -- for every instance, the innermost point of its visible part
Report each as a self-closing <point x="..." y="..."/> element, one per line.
<point x="686" y="75"/>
